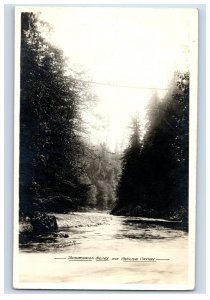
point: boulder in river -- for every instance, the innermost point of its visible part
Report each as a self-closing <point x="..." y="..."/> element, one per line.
<point x="63" y="235"/>
<point x="43" y="223"/>
<point x="38" y="223"/>
<point x="25" y="227"/>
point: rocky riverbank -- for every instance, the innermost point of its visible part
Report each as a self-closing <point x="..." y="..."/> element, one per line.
<point x="34" y="225"/>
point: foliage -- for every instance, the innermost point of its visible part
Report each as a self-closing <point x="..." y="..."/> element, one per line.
<point x="128" y="190"/>
<point x="59" y="171"/>
<point x="155" y="174"/>
<point x="51" y="144"/>
<point x="103" y="170"/>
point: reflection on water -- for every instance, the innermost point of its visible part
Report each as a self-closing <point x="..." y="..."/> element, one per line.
<point x="85" y="228"/>
<point x="135" y="229"/>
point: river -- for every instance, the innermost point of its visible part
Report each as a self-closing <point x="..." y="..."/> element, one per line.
<point x="110" y="250"/>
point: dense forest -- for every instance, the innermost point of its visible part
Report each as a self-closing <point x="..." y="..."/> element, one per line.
<point x="154" y="180"/>
<point x="51" y="145"/>
<point x="60" y="172"/>
<point x="103" y="170"/>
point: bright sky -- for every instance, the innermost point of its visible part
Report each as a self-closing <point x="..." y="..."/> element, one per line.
<point x="122" y="46"/>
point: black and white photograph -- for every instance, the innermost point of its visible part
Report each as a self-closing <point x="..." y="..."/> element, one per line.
<point x="105" y="148"/>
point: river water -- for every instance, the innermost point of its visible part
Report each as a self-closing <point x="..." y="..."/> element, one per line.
<point x="98" y="248"/>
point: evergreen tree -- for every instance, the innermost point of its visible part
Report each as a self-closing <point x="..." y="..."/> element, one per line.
<point x="51" y="146"/>
<point x="166" y="149"/>
<point x="155" y="175"/>
<point x="128" y="190"/>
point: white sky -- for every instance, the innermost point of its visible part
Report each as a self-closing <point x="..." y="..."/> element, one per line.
<point x="122" y="46"/>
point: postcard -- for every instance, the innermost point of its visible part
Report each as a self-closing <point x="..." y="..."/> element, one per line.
<point x="105" y="148"/>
